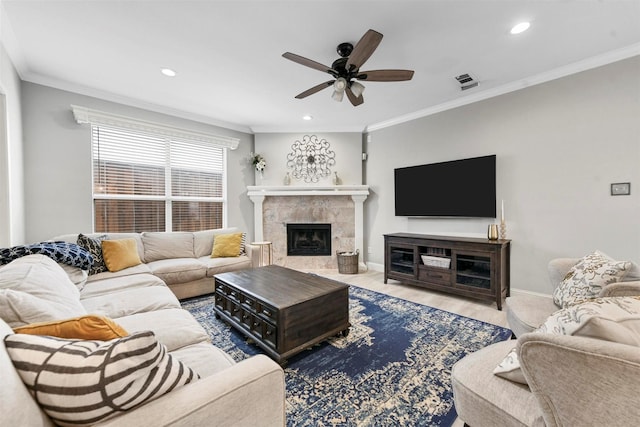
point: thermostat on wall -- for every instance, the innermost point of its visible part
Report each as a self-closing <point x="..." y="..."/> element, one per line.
<point x="621" y="189"/>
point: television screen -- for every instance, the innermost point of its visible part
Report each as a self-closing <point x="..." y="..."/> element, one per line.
<point x="459" y="188"/>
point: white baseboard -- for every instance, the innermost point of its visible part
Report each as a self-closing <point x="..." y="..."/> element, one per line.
<point x="374" y="266"/>
<point x="526" y="292"/>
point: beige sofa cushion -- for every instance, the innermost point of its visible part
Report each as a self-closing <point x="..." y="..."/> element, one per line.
<point x="164" y="245"/>
<point x="203" y="240"/>
<point x="483" y="399"/>
<point x="76" y="275"/>
<point x="204" y="358"/>
<point x="526" y="312"/>
<point x="109" y="285"/>
<point x="138" y="269"/>
<point x="174" y="327"/>
<point x="34" y="288"/>
<point x="222" y="265"/>
<point x="178" y="270"/>
<point x="132" y="301"/>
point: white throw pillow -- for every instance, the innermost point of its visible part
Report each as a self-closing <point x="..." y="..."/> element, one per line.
<point x="79" y="383"/>
<point x="34" y="289"/>
<point x="585" y="280"/>
<point x="615" y="319"/>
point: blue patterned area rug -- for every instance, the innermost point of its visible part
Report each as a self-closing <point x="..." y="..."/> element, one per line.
<point x="393" y="369"/>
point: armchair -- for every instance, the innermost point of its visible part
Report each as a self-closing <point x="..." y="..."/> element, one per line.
<point x="525" y="312"/>
<point x="571" y="380"/>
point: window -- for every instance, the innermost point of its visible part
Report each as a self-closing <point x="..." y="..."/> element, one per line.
<point x="147" y="182"/>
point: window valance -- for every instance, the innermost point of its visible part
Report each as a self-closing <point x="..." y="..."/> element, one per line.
<point x="95" y="117"/>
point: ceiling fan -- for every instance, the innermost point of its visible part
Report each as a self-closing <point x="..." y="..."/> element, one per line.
<point x="346" y="69"/>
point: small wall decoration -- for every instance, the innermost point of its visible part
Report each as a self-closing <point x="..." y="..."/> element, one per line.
<point x="258" y="161"/>
<point x="621" y="189"/>
<point x="311" y="159"/>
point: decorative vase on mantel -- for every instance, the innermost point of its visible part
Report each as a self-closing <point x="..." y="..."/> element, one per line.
<point x="287" y="179"/>
<point x="336" y="179"/>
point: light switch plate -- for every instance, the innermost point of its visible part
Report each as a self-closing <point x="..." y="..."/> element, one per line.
<point x="621" y="189"/>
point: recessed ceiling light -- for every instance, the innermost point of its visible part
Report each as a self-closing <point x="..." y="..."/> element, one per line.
<point x="168" y="72"/>
<point x="521" y="27"/>
<point x="307" y="117"/>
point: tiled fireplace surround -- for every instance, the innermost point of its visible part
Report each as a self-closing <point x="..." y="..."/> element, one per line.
<point x="341" y="206"/>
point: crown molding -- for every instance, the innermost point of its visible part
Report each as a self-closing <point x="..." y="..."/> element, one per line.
<point x="574" y="68"/>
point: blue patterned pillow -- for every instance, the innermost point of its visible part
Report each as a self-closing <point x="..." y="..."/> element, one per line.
<point x="62" y="252"/>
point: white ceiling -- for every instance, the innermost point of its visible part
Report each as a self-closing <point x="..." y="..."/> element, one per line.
<point x="230" y="70"/>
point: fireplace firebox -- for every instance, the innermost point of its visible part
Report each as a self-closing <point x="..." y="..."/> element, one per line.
<point x="308" y="239"/>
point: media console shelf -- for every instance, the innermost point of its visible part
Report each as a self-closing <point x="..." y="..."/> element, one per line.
<point x="467" y="266"/>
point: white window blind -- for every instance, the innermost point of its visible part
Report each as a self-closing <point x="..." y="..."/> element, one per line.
<point x="146" y="182"/>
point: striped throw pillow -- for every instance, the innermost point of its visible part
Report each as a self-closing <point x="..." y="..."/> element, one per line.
<point x="243" y="244"/>
<point x="78" y="383"/>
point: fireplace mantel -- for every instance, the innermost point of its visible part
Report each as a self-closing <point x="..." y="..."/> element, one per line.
<point x="358" y="194"/>
<point x="289" y="190"/>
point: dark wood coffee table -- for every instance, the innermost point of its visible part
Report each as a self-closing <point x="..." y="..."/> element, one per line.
<point x="283" y="310"/>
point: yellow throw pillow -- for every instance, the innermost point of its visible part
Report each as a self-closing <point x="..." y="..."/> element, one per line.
<point x="89" y="327"/>
<point x="120" y="254"/>
<point x="227" y="245"/>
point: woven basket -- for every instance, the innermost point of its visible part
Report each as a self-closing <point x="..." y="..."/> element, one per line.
<point x="348" y="262"/>
<point x="435" y="261"/>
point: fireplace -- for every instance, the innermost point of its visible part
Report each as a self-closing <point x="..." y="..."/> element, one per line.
<point x="308" y="239"/>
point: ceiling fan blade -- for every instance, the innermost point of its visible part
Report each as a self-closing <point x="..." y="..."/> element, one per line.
<point x="385" y="75"/>
<point x="308" y="63"/>
<point x="315" y="89"/>
<point x="355" y="100"/>
<point x="363" y="49"/>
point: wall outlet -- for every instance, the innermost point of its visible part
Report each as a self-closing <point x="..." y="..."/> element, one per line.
<point x="369" y="250"/>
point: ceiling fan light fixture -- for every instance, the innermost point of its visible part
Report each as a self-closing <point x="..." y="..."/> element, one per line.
<point x="357" y="88"/>
<point x="340" y="85"/>
<point x="337" y="96"/>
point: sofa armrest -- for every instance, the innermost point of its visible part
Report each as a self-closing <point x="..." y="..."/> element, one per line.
<point x="250" y="393"/>
<point x="253" y="252"/>
<point x="558" y="269"/>
<point x="581" y="381"/>
<point x="621" y="289"/>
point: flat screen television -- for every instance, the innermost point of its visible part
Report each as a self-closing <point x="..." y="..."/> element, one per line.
<point x="458" y="188"/>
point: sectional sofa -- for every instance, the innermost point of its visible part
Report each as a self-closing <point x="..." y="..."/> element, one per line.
<point x="180" y="259"/>
<point x="209" y="387"/>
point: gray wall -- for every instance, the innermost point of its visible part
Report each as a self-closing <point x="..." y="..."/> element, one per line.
<point x="559" y="146"/>
<point x="57" y="162"/>
<point x="12" y="226"/>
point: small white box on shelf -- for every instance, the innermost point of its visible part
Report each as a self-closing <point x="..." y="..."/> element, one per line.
<point x="434" y="261"/>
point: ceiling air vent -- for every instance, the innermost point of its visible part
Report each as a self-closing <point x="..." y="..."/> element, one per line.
<point x="466" y="81"/>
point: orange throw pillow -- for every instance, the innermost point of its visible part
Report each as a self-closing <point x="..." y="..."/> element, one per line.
<point x="89" y="327"/>
<point x="120" y="254"/>
<point x="227" y="245"/>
